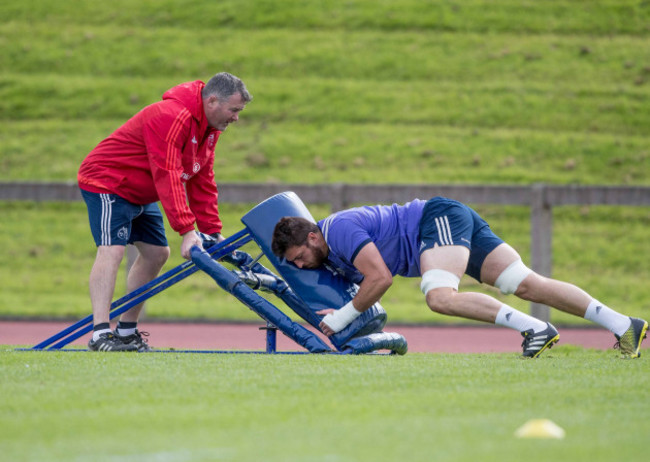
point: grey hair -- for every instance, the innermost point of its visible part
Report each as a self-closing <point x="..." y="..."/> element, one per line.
<point x="223" y="85"/>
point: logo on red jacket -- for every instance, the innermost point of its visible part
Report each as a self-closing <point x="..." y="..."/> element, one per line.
<point x="211" y="141"/>
<point x="196" y="167"/>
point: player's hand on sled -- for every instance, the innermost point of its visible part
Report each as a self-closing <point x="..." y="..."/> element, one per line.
<point x="324" y="327"/>
<point x="217" y="237"/>
<point x="190" y="239"/>
<point x="337" y="320"/>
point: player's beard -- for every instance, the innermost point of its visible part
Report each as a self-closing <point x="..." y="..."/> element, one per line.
<point x="319" y="255"/>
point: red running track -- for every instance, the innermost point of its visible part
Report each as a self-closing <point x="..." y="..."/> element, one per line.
<point x="247" y="336"/>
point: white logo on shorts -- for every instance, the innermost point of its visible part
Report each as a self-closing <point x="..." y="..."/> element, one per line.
<point x="123" y="233"/>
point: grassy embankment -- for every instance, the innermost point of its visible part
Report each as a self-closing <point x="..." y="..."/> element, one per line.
<point x="472" y="93"/>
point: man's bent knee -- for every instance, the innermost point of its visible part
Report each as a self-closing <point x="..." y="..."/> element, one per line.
<point x="436" y="278"/>
<point x="154" y="255"/>
<point x="533" y="287"/>
<point x="438" y="287"/>
<point x="110" y="252"/>
<point x="162" y="255"/>
<point x="440" y="300"/>
<point x="511" y="278"/>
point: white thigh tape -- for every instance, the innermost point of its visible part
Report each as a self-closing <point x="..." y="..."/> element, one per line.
<point x="509" y="280"/>
<point x="436" y="278"/>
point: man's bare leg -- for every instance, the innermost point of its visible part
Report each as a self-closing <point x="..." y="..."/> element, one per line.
<point x="449" y="264"/>
<point x="147" y="266"/>
<point x="102" y="280"/>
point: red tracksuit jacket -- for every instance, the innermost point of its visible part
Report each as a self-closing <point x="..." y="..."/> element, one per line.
<point x="163" y="153"/>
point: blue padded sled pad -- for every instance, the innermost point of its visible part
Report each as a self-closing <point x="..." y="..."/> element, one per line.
<point x="317" y="288"/>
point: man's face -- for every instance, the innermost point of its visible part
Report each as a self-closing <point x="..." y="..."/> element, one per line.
<point x="309" y="255"/>
<point x="221" y="113"/>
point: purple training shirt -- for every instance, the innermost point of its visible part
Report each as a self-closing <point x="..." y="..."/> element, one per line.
<point x="394" y="229"/>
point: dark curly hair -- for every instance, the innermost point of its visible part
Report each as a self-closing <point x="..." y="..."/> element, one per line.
<point x="291" y="232"/>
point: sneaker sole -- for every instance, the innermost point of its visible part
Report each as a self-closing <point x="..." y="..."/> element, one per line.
<point x="103" y="349"/>
<point x="546" y="346"/>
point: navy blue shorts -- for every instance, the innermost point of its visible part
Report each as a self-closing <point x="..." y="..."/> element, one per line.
<point x="449" y="222"/>
<point x="116" y="221"/>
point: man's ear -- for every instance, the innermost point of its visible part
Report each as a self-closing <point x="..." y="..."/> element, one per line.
<point x="312" y="238"/>
<point x="212" y="100"/>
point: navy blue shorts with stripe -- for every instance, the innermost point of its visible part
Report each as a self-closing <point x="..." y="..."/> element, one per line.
<point x="116" y="221"/>
<point x="449" y="222"/>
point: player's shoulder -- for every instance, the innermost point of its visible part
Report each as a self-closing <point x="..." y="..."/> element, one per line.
<point x="167" y="111"/>
<point x="343" y="218"/>
<point x="339" y="224"/>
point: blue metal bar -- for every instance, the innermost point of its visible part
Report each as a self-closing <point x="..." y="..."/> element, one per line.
<point x="271" y="337"/>
<point x="127" y="306"/>
<point x="89" y="318"/>
<point x="146" y="291"/>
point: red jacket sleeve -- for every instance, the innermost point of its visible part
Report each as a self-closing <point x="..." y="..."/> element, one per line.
<point x="202" y="194"/>
<point x="165" y="136"/>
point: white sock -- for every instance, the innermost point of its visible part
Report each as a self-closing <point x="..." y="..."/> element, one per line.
<point x="97" y="333"/>
<point x="122" y="332"/>
<point x="509" y="317"/>
<point x="124" y="329"/>
<point x="601" y="314"/>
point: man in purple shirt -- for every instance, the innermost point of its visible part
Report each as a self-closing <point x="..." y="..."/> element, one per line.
<point x="439" y="240"/>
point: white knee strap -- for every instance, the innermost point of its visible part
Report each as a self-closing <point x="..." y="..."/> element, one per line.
<point x="509" y="280"/>
<point x="436" y="278"/>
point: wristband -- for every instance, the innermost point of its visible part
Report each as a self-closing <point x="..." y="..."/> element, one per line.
<point x="341" y="317"/>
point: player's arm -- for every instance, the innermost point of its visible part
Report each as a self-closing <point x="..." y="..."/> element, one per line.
<point x="376" y="277"/>
<point x="376" y="281"/>
<point x="164" y="135"/>
<point x="202" y="195"/>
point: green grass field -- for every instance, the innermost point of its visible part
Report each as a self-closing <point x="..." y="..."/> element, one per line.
<point x="420" y="407"/>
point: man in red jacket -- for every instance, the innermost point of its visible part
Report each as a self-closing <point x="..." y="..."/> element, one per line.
<point x="163" y="153"/>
